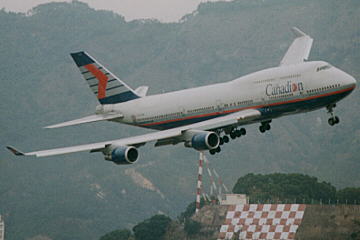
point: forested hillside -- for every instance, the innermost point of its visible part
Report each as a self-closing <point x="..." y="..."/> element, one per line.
<point x="80" y="196"/>
<point x="260" y="189"/>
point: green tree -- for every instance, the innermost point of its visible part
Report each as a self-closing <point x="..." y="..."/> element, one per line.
<point x="123" y="234"/>
<point x="349" y="195"/>
<point x="190" y="210"/>
<point x="153" y="228"/>
<point x="192" y="227"/>
<point x="356" y="235"/>
<point x="284" y="187"/>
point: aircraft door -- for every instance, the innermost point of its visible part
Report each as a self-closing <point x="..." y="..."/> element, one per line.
<point x="182" y="111"/>
<point x="219" y="105"/>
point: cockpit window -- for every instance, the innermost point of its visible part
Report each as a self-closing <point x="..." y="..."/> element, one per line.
<point x="323" y="67"/>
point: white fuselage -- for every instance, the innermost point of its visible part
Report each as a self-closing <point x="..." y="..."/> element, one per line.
<point x="274" y="91"/>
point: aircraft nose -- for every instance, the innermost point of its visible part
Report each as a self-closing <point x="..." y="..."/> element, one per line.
<point x="348" y="80"/>
<point x="351" y="81"/>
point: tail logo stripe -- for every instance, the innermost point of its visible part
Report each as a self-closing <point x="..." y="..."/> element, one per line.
<point x="102" y="78"/>
<point x="90" y="78"/>
<point x="113" y="87"/>
<point x="111" y="80"/>
<point x="106" y="86"/>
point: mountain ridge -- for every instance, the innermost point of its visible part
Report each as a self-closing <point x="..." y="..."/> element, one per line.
<point x="42" y="86"/>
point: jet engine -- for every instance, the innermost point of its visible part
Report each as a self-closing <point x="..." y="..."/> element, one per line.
<point x="205" y="141"/>
<point x="122" y="155"/>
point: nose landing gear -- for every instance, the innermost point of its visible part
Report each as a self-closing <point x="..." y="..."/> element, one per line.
<point x="265" y="126"/>
<point x="333" y="119"/>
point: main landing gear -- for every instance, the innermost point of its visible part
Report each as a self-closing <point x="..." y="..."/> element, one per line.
<point x="333" y="119"/>
<point x="234" y="133"/>
<point x="265" y="126"/>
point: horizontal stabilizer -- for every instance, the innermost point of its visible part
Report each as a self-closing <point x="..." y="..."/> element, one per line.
<point x="142" y="91"/>
<point x="88" y="119"/>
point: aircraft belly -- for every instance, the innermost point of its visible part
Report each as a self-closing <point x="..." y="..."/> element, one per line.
<point x="301" y="106"/>
<point x="182" y="122"/>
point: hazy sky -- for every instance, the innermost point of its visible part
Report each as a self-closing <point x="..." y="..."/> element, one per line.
<point x="164" y="10"/>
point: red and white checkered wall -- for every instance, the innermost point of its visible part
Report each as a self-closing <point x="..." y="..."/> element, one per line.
<point x="262" y="221"/>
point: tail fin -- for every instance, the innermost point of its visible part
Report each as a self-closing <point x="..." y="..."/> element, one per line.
<point x="105" y="85"/>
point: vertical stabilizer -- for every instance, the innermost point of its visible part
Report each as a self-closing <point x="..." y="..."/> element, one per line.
<point x="299" y="49"/>
<point x="106" y="86"/>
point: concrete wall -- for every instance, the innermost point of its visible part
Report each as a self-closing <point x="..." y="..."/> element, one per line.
<point x="329" y="222"/>
<point x="233" y="199"/>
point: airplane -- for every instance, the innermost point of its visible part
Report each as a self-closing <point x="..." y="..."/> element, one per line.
<point x="204" y="117"/>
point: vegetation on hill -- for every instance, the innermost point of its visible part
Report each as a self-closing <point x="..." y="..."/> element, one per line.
<point x="349" y="195"/>
<point x="191" y="227"/>
<point x="300" y="188"/>
<point x="190" y="210"/>
<point x="283" y="187"/>
<point x="276" y="187"/>
<point x="153" y="228"/>
<point x="356" y="234"/>
<point x="121" y="234"/>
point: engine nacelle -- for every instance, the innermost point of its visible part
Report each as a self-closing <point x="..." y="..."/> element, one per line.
<point x="123" y="155"/>
<point x="205" y="141"/>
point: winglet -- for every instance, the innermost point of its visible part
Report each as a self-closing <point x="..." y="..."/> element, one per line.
<point x="298" y="32"/>
<point x="14" y="151"/>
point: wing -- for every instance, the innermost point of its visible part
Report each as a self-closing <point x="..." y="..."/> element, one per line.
<point x="299" y="50"/>
<point x="171" y="136"/>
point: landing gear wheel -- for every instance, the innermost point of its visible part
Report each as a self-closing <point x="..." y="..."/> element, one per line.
<point x="218" y="149"/>
<point x="226" y="139"/>
<point x="232" y="135"/>
<point x="221" y="141"/>
<point x="333" y="119"/>
<point x="262" y="129"/>
<point x="243" y="131"/>
<point x="237" y="133"/>
<point x="212" y="151"/>
<point x="267" y="127"/>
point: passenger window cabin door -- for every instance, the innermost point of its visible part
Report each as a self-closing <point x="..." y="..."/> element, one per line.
<point x="219" y="105"/>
